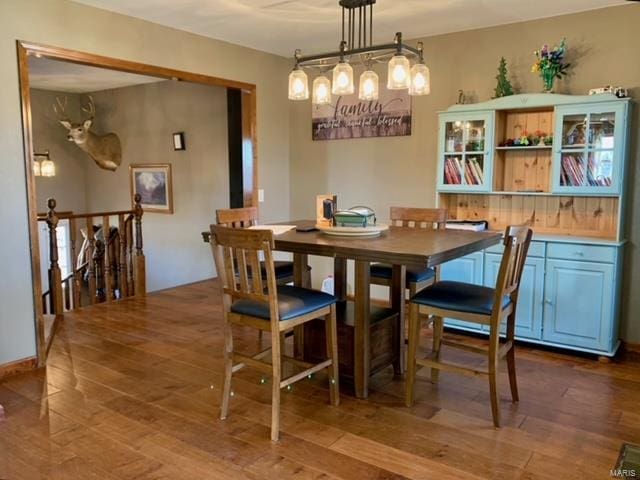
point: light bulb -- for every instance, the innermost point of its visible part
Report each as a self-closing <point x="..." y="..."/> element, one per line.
<point x="343" y="79"/>
<point x="321" y="91"/>
<point x="398" y="77"/>
<point x="36" y="168"/>
<point x="47" y="168"/>
<point x="368" y="86"/>
<point x="420" y="80"/>
<point x="298" y="85"/>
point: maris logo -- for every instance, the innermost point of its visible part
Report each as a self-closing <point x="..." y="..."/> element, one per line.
<point x="623" y="473"/>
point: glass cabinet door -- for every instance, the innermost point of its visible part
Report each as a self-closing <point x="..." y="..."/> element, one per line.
<point x="590" y="149"/>
<point x="464" y="155"/>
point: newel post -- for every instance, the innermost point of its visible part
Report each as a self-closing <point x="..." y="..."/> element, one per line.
<point x="55" y="275"/>
<point x="140" y="279"/>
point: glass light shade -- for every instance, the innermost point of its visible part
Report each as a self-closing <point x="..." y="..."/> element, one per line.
<point x="36" y="168"/>
<point x="298" y="85"/>
<point x="399" y="75"/>
<point x="368" y="86"/>
<point x="343" y="79"/>
<point x="420" y="80"/>
<point x="321" y="91"/>
<point x="47" y="168"/>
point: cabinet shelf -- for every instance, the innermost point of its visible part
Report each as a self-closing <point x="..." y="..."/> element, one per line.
<point x="532" y="147"/>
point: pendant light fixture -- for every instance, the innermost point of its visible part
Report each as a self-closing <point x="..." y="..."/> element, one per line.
<point x="321" y="91"/>
<point x="356" y="47"/>
<point x="342" y="75"/>
<point x="420" y="79"/>
<point x="368" y="88"/>
<point x="298" y="82"/>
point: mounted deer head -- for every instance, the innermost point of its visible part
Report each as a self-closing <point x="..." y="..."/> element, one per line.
<point x="105" y="150"/>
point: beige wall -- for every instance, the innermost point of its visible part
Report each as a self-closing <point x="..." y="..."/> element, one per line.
<point x="65" y="24"/>
<point x="401" y="171"/>
<point x="144" y="118"/>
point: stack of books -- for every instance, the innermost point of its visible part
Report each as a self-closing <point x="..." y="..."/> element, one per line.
<point x="572" y="173"/>
<point x="471" y="225"/>
<point x="454" y="166"/>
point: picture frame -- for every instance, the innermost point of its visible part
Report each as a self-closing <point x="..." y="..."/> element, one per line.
<point x="154" y="183"/>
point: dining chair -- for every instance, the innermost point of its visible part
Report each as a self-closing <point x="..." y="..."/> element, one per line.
<point x="416" y="278"/>
<point x="247" y="217"/>
<point x="478" y="304"/>
<point x="262" y="304"/>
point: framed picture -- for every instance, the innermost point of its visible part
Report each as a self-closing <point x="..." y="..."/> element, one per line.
<point x="153" y="183"/>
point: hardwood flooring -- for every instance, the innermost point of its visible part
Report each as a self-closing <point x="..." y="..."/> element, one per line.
<point x="131" y="391"/>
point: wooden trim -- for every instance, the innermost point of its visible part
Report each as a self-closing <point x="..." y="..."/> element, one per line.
<point x="32" y="204"/>
<point x="24" y="50"/>
<point x="19" y="366"/>
<point x="631" y="347"/>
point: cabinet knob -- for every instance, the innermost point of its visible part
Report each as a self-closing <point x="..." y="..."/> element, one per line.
<point x="548" y="301"/>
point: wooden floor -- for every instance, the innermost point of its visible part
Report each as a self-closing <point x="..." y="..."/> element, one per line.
<point x="131" y="391"/>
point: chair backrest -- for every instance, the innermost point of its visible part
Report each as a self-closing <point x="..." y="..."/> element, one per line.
<point x="516" y="246"/>
<point x="237" y="217"/>
<point x="429" y="218"/>
<point x="237" y="254"/>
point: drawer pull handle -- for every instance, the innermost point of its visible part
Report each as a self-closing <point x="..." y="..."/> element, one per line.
<point x="548" y="301"/>
<point x="579" y="253"/>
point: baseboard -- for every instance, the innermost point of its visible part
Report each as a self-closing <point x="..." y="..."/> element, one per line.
<point x="19" y="366"/>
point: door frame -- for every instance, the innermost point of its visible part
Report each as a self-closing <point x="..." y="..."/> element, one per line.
<point x="26" y="49"/>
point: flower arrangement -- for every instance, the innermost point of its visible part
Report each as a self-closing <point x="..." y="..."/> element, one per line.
<point x="550" y="64"/>
<point x="536" y="139"/>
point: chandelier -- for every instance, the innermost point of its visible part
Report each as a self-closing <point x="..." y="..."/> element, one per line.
<point x="356" y="47"/>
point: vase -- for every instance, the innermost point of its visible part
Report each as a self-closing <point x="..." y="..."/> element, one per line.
<point x="548" y="76"/>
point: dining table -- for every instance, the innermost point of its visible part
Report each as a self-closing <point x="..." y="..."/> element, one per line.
<point x="370" y="334"/>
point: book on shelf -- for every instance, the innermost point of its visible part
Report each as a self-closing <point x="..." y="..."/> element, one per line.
<point x="469" y="225"/>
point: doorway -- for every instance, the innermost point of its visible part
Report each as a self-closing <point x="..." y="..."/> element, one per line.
<point x="244" y="96"/>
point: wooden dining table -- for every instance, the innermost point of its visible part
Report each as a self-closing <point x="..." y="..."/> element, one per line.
<point x="371" y="337"/>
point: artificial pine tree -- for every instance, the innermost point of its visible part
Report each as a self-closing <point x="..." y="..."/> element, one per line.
<point x="503" y="88"/>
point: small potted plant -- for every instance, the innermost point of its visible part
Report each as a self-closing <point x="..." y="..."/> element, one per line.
<point x="550" y="64"/>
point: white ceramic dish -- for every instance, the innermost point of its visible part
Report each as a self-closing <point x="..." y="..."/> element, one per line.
<point x="370" y="231"/>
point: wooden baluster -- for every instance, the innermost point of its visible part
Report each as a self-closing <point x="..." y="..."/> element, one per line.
<point x="67" y="293"/>
<point x="140" y="274"/>
<point x="107" y="273"/>
<point x="91" y="273"/>
<point x="76" y="280"/>
<point x="130" y="279"/>
<point x="123" y="285"/>
<point x="55" y="276"/>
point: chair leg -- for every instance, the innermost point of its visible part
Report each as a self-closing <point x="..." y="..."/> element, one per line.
<point x="438" y="330"/>
<point x="228" y="369"/>
<point x="511" y="357"/>
<point x="331" y="334"/>
<point x="276" y="360"/>
<point x="494" y="343"/>
<point x="414" y="337"/>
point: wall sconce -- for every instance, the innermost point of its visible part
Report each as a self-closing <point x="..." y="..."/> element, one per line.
<point x="43" y="166"/>
<point x="178" y="141"/>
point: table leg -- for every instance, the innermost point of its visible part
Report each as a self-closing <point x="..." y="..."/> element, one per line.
<point x="398" y="288"/>
<point x="340" y="278"/>
<point x="362" y="332"/>
<point x="300" y="279"/>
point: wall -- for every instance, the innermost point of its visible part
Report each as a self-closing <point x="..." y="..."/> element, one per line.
<point x="145" y="117"/>
<point x="68" y="185"/>
<point x="70" y="25"/>
<point x="401" y="171"/>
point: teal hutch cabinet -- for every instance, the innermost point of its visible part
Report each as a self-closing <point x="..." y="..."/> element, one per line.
<point x="557" y="163"/>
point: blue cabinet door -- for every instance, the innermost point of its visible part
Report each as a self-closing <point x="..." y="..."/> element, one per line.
<point x="530" y="297"/>
<point x="579" y="301"/>
<point x="466" y="269"/>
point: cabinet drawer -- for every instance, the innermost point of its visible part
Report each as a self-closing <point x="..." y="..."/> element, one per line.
<point x="575" y="251"/>
<point x="536" y="249"/>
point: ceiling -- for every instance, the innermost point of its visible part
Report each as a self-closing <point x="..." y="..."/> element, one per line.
<point x="69" y="77"/>
<point x="281" y="26"/>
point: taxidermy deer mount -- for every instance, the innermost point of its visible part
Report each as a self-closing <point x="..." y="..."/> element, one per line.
<point x="105" y="150"/>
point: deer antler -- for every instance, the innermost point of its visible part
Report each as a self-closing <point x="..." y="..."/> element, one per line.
<point x="60" y="108"/>
<point x="90" y="109"/>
